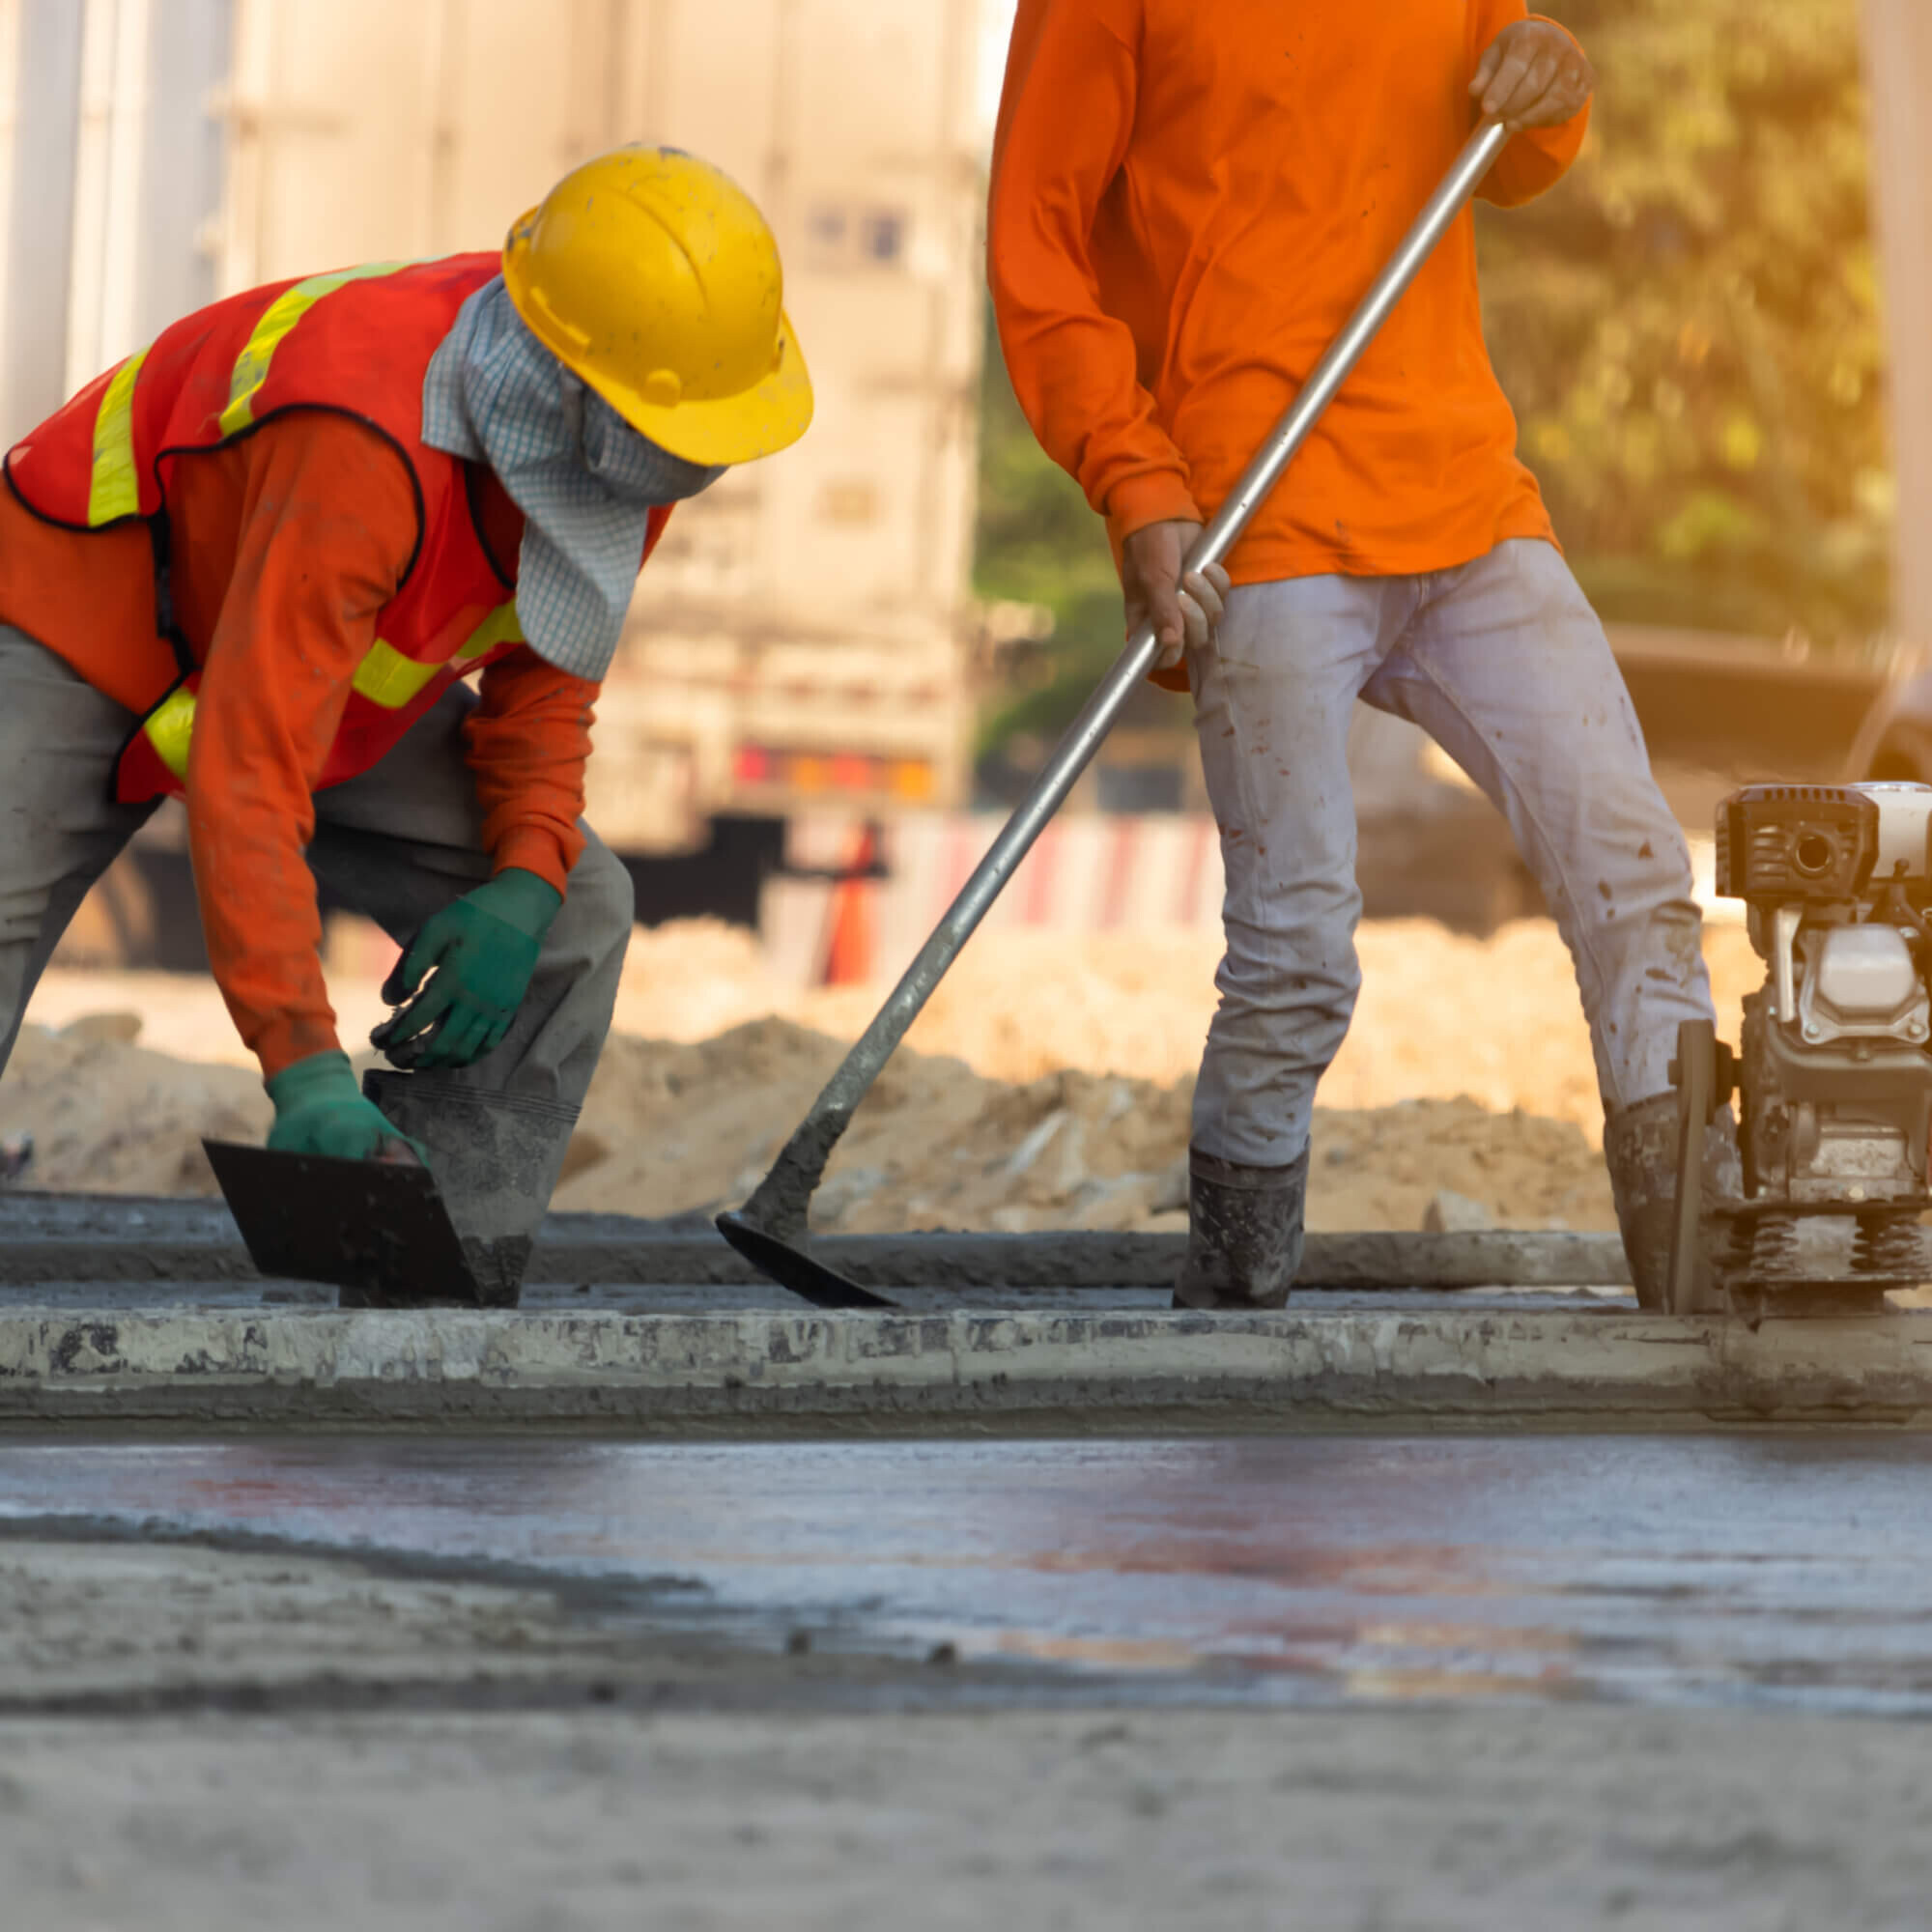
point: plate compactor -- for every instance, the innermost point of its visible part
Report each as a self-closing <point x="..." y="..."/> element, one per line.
<point x="1832" y="1076"/>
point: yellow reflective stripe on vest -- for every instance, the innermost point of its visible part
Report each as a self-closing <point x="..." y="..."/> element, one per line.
<point x="385" y="677"/>
<point x="114" y="488"/>
<point x="388" y="678"/>
<point x="251" y="366"/>
<point x="499" y="627"/>
<point x="170" y="728"/>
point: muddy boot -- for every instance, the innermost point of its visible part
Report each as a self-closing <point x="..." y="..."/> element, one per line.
<point x="1243" y="1233"/>
<point x="495" y="1157"/>
<point x="1640" y="1151"/>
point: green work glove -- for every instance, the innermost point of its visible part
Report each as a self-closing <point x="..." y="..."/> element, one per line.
<point x="483" y="949"/>
<point x="320" y="1109"/>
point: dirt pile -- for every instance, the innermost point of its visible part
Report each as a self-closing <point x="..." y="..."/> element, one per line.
<point x="672" y="1126"/>
<point x="1048" y="1083"/>
<point x="1441" y="1014"/>
<point x="108" y="1116"/>
<point x="675" y="1125"/>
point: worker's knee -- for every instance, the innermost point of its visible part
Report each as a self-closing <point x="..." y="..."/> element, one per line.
<point x="602" y="902"/>
<point x="1286" y="1009"/>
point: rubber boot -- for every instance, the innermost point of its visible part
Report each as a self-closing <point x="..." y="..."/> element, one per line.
<point x="1640" y="1151"/>
<point x="1243" y="1233"/>
<point x="496" y="1158"/>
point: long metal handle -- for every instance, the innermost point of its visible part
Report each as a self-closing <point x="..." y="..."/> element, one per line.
<point x="781" y="1198"/>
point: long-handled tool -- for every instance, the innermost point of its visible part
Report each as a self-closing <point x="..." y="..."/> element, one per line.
<point x="770" y="1229"/>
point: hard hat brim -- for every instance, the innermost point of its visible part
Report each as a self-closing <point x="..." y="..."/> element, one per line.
<point x="759" y="421"/>
<point x="769" y="417"/>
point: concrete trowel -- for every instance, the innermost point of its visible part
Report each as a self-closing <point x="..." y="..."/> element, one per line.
<point x="376" y="1229"/>
<point x="770" y="1230"/>
<point x="395" y="1234"/>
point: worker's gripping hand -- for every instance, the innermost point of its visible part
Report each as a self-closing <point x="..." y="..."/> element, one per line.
<point x="1533" y="76"/>
<point x="479" y="954"/>
<point x="319" y="1109"/>
<point x="1183" y="611"/>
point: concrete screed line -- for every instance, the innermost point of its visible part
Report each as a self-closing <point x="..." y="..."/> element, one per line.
<point x="1058" y="1371"/>
<point x="50" y="1238"/>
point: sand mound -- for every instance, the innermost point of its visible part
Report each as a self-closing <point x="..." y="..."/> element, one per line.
<point x="670" y="1127"/>
<point x="1048" y="1083"/>
<point x="1441" y="1014"/>
<point x="107" y="1116"/>
<point x="678" y="1125"/>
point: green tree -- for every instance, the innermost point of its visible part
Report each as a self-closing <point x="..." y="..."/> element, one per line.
<point x="1037" y="542"/>
<point x="1689" y="328"/>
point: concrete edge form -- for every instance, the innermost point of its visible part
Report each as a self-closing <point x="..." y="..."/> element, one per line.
<point x="1081" y="1258"/>
<point x="1058" y="1371"/>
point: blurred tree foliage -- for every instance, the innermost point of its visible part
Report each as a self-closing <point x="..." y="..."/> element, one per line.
<point x="1688" y="329"/>
<point x="1037" y="542"/>
<point x="1689" y="326"/>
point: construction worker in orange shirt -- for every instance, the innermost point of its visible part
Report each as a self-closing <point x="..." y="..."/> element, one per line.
<point x="1188" y="199"/>
<point x="252" y="567"/>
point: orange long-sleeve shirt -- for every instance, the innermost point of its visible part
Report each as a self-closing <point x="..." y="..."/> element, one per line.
<point x="1188" y="199"/>
<point x="284" y="548"/>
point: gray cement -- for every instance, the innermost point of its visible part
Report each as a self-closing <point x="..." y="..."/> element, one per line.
<point x="1772" y="1572"/>
<point x="498" y="1686"/>
<point x="600" y="1820"/>
<point x="98" y="1237"/>
<point x="147" y="1313"/>
<point x="1053" y="1370"/>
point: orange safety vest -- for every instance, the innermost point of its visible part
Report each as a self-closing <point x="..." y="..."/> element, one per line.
<point x="358" y="342"/>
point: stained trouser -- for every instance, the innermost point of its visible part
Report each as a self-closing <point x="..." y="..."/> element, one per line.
<point x="1503" y="663"/>
<point x="398" y="842"/>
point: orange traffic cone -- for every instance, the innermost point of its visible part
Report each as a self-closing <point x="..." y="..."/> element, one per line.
<point x="851" y="937"/>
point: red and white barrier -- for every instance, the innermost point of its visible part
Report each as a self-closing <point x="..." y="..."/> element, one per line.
<point x="1087" y="873"/>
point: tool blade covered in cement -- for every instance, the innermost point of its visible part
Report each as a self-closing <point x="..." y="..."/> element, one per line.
<point x="376" y="1229"/>
<point x="794" y="1270"/>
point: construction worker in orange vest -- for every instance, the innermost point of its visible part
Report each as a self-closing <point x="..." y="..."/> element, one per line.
<point x="252" y="567"/>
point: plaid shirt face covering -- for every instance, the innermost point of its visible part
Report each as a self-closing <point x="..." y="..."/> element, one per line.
<point x="583" y="478"/>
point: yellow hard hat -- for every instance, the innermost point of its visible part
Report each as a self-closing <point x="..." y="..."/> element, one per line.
<point x="653" y="277"/>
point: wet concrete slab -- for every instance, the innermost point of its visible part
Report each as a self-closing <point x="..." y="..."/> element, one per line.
<point x="658" y="1329"/>
<point x="1763" y="1571"/>
<point x="712" y="1367"/>
<point x="700" y="1297"/>
<point x="122" y="1241"/>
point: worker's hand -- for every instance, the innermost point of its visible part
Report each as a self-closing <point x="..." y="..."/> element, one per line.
<point x="320" y="1109"/>
<point x="1183" y="611"/>
<point x="480" y="954"/>
<point x="1533" y="76"/>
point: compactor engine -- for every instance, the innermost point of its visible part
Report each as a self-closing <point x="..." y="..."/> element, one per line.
<point x="1834" y="1076"/>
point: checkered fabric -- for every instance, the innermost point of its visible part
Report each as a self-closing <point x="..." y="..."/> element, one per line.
<point x="583" y="478"/>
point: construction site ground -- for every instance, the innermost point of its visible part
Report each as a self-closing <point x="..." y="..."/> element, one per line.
<point x="666" y="1599"/>
<point x="1392" y="1682"/>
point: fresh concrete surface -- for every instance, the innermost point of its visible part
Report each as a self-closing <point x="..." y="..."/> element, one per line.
<point x="1058" y="1369"/>
<point x="1769" y="1571"/>
<point x="122" y="1238"/>
<point x="241" y="1766"/>
<point x="130" y="1311"/>
<point x="1444" y="1821"/>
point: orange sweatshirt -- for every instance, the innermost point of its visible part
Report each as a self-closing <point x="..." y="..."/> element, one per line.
<point x="1188" y="199"/>
<point x="285" y="546"/>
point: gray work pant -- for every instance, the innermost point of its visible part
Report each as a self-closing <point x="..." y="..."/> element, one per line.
<point x="398" y="843"/>
<point x="1503" y="663"/>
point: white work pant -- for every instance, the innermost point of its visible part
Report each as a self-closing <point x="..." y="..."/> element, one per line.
<point x="1505" y="666"/>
